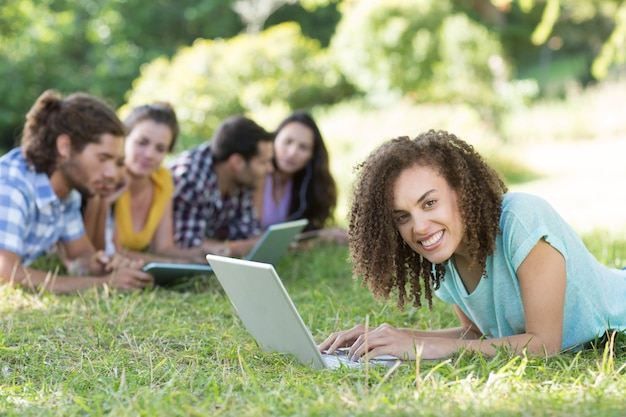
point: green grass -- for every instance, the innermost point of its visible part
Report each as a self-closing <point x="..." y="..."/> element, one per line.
<point x="183" y="352"/>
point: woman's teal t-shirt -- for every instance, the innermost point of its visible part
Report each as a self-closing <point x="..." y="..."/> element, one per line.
<point x="595" y="298"/>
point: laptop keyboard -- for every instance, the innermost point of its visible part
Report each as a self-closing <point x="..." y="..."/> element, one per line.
<point x="337" y="361"/>
<point x="340" y="358"/>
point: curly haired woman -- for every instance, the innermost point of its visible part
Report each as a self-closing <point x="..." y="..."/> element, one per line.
<point x="431" y="217"/>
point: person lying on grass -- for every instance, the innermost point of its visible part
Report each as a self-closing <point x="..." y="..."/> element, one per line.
<point x="431" y="216"/>
<point x="69" y="146"/>
<point x="142" y="215"/>
<point x="213" y="201"/>
<point x="301" y="184"/>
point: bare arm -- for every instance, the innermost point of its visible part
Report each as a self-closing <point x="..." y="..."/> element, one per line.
<point x="13" y="272"/>
<point x="97" y="213"/>
<point x="80" y="257"/>
<point x="236" y="248"/>
<point x="542" y="277"/>
<point x="95" y="218"/>
<point x="398" y="342"/>
<point x="163" y="240"/>
<point x="122" y="272"/>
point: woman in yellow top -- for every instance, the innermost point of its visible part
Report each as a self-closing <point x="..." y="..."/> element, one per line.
<point x="143" y="213"/>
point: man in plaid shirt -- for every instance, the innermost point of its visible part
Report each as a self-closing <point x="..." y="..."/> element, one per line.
<point x="213" y="188"/>
<point x="68" y="146"/>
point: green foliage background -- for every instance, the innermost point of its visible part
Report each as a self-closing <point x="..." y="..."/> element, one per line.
<point x="493" y="55"/>
<point x="213" y="79"/>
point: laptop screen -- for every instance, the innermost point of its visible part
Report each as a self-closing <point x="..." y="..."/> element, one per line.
<point x="265" y="308"/>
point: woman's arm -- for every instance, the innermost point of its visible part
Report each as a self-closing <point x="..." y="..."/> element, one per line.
<point x="542" y="278"/>
<point x="163" y="244"/>
<point x="97" y="212"/>
<point x="163" y="240"/>
<point x="235" y="248"/>
<point x="95" y="218"/>
<point x="389" y="340"/>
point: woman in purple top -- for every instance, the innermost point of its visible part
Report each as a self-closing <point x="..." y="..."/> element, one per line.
<point x="301" y="185"/>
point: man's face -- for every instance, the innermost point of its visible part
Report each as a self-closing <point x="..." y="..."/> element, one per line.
<point x="257" y="167"/>
<point x="96" y="167"/>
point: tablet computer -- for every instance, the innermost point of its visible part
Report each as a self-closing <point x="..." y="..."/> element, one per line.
<point x="269" y="249"/>
<point x="165" y="273"/>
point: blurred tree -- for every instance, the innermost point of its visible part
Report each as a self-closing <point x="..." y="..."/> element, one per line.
<point x="418" y="48"/>
<point x="99" y="46"/>
<point x="214" y="79"/>
<point x="556" y="42"/>
<point x="593" y="29"/>
<point x="614" y="49"/>
<point x="254" y="13"/>
<point x="389" y="47"/>
<point x="318" y="21"/>
<point x="94" y="46"/>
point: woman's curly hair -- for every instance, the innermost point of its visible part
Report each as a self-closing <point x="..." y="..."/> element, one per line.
<point x="84" y="118"/>
<point x="377" y="250"/>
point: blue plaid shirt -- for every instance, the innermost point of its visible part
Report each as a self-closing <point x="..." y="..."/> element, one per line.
<point x="32" y="218"/>
<point x="199" y="210"/>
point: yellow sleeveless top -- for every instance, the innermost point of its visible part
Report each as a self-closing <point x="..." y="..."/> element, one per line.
<point x="163" y="190"/>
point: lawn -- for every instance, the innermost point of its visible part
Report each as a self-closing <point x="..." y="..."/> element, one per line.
<point x="183" y="351"/>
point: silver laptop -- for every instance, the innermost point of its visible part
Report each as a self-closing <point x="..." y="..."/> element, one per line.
<point x="266" y="310"/>
<point x="272" y="245"/>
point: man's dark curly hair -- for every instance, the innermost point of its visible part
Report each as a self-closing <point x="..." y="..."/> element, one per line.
<point x="377" y="250"/>
<point x="84" y="118"/>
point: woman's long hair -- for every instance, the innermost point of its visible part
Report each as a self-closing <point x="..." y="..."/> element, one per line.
<point x="314" y="194"/>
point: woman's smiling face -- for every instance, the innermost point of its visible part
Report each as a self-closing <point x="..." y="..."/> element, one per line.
<point x="427" y="215"/>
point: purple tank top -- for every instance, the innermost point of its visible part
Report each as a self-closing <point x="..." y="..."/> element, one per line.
<point x="275" y="212"/>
